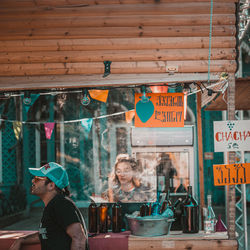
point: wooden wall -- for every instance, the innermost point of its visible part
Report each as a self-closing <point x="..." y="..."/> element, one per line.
<point x="68" y="37"/>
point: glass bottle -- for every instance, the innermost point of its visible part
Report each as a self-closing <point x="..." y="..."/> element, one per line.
<point x="144" y="210"/>
<point x="116" y="218"/>
<point x="166" y="203"/>
<point x="181" y="188"/>
<point x="172" y="174"/>
<point x="161" y="179"/>
<point x="150" y="209"/>
<point x="156" y="206"/>
<point x="103" y="218"/>
<point x="210" y="219"/>
<point x="190" y="214"/>
<point x="177" y="209"/>
<point x="92" y="218"/>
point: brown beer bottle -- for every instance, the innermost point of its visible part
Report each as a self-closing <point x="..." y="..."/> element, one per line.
<point x="166" y="203"/>
<point x="92" y="218"/>
<point x="103" y="218"/>
<point x="116" y="218"/>
<point x="144" y="210"/>
<point x="190" y="214"/>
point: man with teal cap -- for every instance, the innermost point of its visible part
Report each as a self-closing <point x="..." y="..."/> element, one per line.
<point x="62" y="226"/>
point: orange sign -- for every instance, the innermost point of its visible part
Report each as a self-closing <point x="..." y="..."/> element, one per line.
<point x="159" y="110"/>
<point x="231" y="174"/>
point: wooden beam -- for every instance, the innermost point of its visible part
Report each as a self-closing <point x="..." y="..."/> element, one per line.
<point x="116" y="55"/>
<point x="127" y="9"/>
<point x="200" y="156"/>
<point x="115" y="21"/>
<point x="118" y="32"/>
<point x="230" y="194"/>
<point x="64" y="3"/>
<point x="117" y="67"/>
<point x="117" y="44"/>
<point x="83" y="81"/>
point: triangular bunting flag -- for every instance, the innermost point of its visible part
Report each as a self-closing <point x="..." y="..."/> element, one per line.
<point x="100" y="95"/>
<point x="17" y="127"/>
<point x="28" y="102"/>
<point x="49" y="127"/>
<point x="130" y="115"/>
<point x="220" y="226"/>
<point x="87" y="123"/>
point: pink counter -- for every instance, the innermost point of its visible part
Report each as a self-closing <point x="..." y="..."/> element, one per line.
<point x="125" y="241"/>
<point x="8" y="237"/>
<point x="107" y="241"/>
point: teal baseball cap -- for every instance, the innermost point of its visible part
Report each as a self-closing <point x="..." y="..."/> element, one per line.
<point x="54" y="171"/>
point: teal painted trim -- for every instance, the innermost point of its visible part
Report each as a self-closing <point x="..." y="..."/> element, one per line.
<point x="1" y="157"/>
<point x="245" y="66"/>
<point x="208" y="146"/>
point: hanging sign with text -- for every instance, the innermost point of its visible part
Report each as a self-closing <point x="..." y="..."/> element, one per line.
<point x="231" y="136"/>
<point x="231" y="174"/>
<point x="159" y="110"/>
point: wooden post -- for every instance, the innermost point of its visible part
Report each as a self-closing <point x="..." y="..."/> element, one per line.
<point x="200" y="155"/>
<point x="231" y="160"/>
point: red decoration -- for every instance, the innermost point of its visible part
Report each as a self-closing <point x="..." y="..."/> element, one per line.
<point x="159" y="89"/>
<point x="220" y="226"/>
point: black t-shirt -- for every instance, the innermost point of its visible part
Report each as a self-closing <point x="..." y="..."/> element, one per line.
<point x="57" y="216"/>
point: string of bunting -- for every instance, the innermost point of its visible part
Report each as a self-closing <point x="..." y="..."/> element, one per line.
<point x="86" y="123"/>
<point x="130" y="113"/>
<point x="49" y="126"/>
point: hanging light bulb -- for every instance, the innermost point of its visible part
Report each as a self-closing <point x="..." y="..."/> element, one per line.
<point x="85" y="99"/>
<point x="61" y="99"/>
<point x="186" y="90"/>
<point x="159" y="89"/>
<point x="27" y="98"/>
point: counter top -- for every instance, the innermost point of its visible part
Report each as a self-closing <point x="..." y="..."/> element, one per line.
<point x="178" y="235"/>
<point x="8" y="237"/>
<point x="125" y="241"/>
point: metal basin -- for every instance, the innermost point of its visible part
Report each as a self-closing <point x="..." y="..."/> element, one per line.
<point x="149" y="225"/>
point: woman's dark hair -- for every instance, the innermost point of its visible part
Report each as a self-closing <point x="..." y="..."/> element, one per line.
<point x="64" y="192"/>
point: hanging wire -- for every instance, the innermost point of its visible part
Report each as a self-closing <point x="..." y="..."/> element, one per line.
<point x="133" y="87"/>
<point x="70" y="121"/>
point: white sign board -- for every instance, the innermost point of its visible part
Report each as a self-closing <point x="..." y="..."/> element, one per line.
<point x="232" y="136"/>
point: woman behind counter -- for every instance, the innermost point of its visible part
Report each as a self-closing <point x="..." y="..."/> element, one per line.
<point x="125" y="184"/>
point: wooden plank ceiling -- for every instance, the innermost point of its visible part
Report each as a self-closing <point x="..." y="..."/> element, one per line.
<point x="75" y="37"/>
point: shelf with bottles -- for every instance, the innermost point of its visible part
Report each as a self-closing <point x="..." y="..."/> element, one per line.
<point x="175" y="185"/>
<point x="179" y="189"/>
